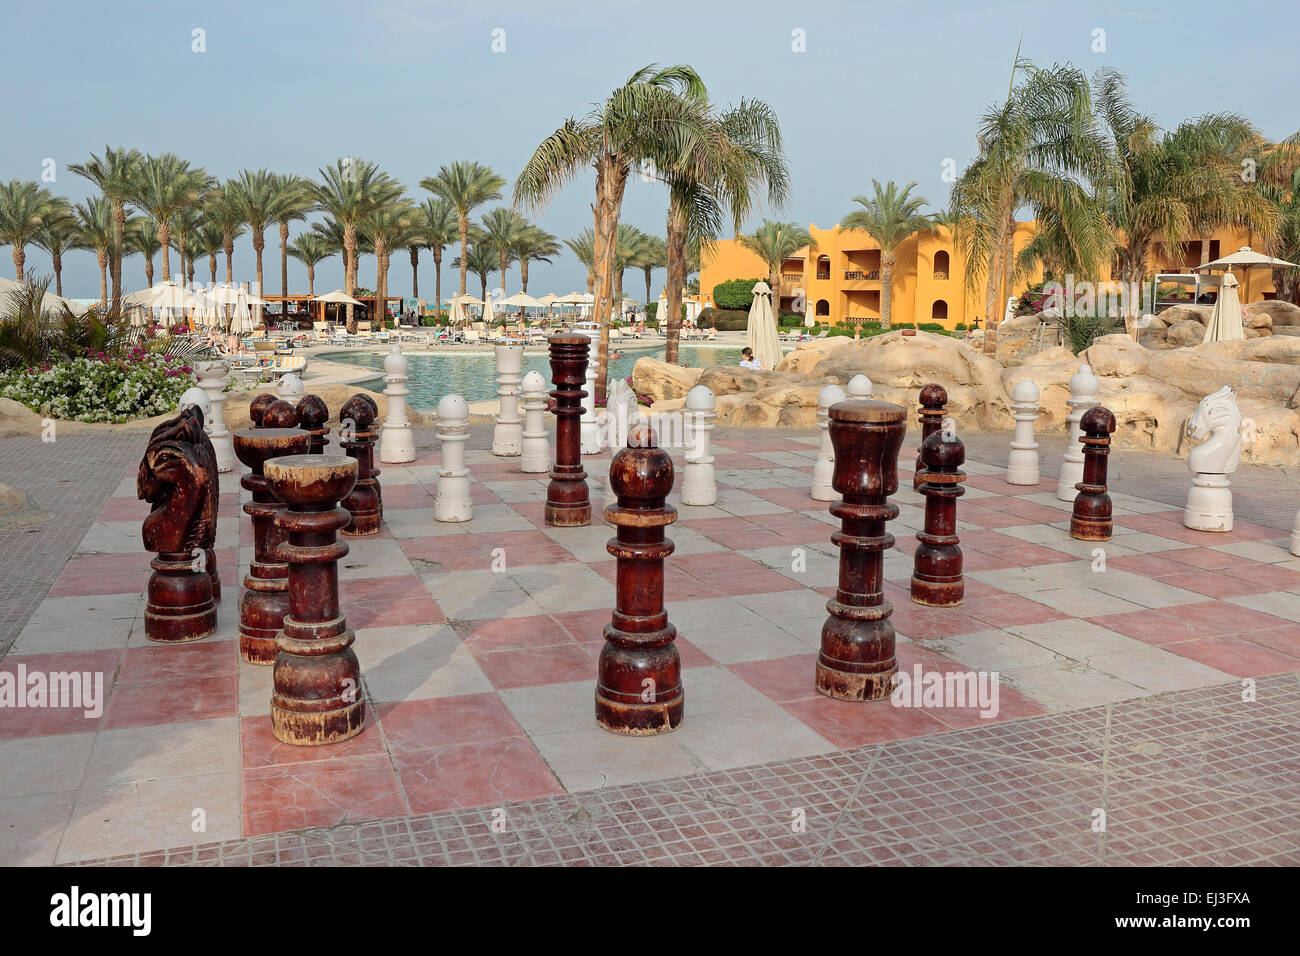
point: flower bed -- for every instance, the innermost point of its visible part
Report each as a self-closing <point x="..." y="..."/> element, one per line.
<point x="101" y="388"/>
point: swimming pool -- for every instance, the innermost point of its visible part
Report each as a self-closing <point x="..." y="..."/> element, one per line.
<point x="473" y="375"/>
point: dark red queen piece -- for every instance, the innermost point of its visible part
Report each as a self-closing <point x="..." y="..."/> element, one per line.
<point x="568" y="501"/>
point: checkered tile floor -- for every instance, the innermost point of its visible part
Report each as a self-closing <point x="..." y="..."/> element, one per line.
<point x="480" y="681"/>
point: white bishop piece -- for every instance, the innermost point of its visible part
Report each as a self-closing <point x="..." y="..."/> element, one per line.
<point x="1084" y="387"/>
<point x="699" y="484"/>
<point x="1022" y="463"/>
<point x="396" y="443"/>
<point x="452" y="503"/>
<point x="535" y="456"/>
<point x="824" y="469"/>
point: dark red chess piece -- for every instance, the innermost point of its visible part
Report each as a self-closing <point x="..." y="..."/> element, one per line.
<point x="313" y="414"/>
<point x="317" y="696"/>
<point x="257" y="407"/>
<point x="857" y="650"/>
<point x="568" y="502"/>
<point x="936" y="572"/>
<point x="178" y="480"/>
<point x="266" y="596"/>
<point x="934" y="401"/>
<point x="358" y="437"/>
<point x="639" y="689"/>
<point x="1091" y="519"/>
<point x="280" y="414"/>
<point x="209" y="540"/>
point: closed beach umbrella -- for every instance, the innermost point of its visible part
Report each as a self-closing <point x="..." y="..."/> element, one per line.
<point x="762" y="327"/>
<point x="1225" y="321"/>
<point x="809" y="320"/>
<point x="488" y="315"/>
<point x="457" y="312"/>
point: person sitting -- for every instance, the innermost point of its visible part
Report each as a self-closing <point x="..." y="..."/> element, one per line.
<point x="747" y="359"/>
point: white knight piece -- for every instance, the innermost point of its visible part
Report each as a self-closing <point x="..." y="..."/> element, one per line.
<point x="1217" y="420"/>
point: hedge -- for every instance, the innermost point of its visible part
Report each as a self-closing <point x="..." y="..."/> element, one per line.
<point x="725" y="320"/>
<point x="734" y="293"/>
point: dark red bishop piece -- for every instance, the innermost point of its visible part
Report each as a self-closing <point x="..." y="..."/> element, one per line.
<point x="934" y="406"/>
<point x="937" y="564"/>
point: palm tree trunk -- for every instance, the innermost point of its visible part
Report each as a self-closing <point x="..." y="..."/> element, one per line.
<point x="503" y="276"/>
<point x="647" y="284"/>
<point x="350" y="272"/>
<point x="284" y="269"/>
<point x="212" y="267"/>
<point x="672" y="322"/>
<point x="58" y="273"/>
<point x="379" y="287"/>
<point x="886" y="290"/>
<point x="164" y="240"/>
<point x="101" y="256"/>
<point x="228" y="245"/>
<point x="119" y="227"/>
<point x="311" y="280"/>
<point x="1205" y="249"/>
<point x="462" y="222"/>
<point x="437" y="280"/>
<point x="610" y="181"/>
<point x="20" y="259"/>
<point x="483" y="280"/>
<point x="415" y="273"/>
<point x="259" y="243"/>
<point x="523" y="275"/>
<point x="148" y="271"/>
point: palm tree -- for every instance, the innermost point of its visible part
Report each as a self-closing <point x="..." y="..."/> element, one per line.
<point x="464" y="186"/>
<point x="295" y="202"/>
<point x="224" y="208"/>
<point x="653" y="254"/>
<point x="387" y="227"/>
<point x="440" y="230"/>
<point x="142" y="239"/>
<point x="59" y="234"/>
<point x="774" y="242"/>
<point x="651" y="118"/>
<point x="1039" y="149"/>
<point x="502" y="229"/>
<point x="739" y="153"/>
<point x="208" y="240"/>
<point x="115" y="175"/>
<point x="481" y="261"/>
<point x="584" y="247"/>
<point x="95" y="220"/>
<point x="311" y="249"/>
<point x="24" y="208"/>
<point x="889" y="217"/>
<point x="533" y="244"/>
<point x="347" y="193"/>
<point x="163" y="186"/>
<point x="185" y="224"/>
<point x="1166" y="189"/>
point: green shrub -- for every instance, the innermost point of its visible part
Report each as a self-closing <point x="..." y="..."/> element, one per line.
<point x="790" y="320"/>
<point x="651" y="310"/>
<point x="101" y="388"/>
<point x="1080" y="333"/>
<point x="932" y="327"/>
<point x="734" y="293"/>
<point x="960" y="327"/>
<point x="724" y="320"/>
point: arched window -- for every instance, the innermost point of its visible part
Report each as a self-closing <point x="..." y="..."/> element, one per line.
<point x="823" y="307"/>
<point x="823" y="267"/>
<point x="939" y="310"/>
<point x="941" y="264"/>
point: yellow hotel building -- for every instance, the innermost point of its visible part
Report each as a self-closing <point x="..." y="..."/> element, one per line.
<point x="840" y="279"/>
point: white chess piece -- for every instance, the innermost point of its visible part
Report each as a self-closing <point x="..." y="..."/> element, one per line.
<point x="289" y="388"/>
<point x="859" y="387"/>
<point x="699" y="483"/>
<point x="1022" y="462"/>
<point x="1209" y="500"/>
<point x="396" y="441"/>
<point x="195" y="396"/>
<point x="508" y="433"/>
<point x="621" y="412"/>
<point x="590" y="427"/>
<point x="1084" y="387"/>
<point x="212" y="379"/>
<point x="535" y="450"/>
<point x="452" y="503"/>
<point x="824" y="469"/>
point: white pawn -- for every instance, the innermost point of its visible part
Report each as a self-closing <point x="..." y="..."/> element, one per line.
<point x="290" y="388"/>
<point x="1022" y="463"/>
<point x="824" y="470"/>
<point x="1084" y="387"/>
<point x="859" y="387"/>
<point x="535" y="450"/>
<point x="507" y="434"/>
<point x="452" y="503"/>
<point x="212" y="379"/>
<point x="699" y="484"/>
<point x="1209" y="500"/>
<point x="590" y="428"/>
<point x="396" y="442"/>
<point x="196" y="396"/>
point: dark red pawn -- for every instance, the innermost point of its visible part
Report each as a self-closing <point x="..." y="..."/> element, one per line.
<point x="357" y="436"/>
<point x="936" y="575"/>
<point x="1091" y="519"/>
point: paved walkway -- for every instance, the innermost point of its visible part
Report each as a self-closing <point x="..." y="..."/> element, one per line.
<point x="1119" y="691"/>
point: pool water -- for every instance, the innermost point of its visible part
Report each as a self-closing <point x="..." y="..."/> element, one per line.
<point x="473" y="375"/>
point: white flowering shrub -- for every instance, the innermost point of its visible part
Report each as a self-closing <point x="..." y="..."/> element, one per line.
<point x="100" y="388"/>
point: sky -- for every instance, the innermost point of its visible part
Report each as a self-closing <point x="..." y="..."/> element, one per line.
<point x="863" y="90"/>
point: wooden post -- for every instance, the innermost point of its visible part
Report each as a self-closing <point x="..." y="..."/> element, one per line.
<point x="1091" y="519"/>
<point x="857" y="648"/>
<point x="568" y="501"/>
<point x="317" y="696"/>
<point x="936" y="576"/>
<point x="639" y="690"/>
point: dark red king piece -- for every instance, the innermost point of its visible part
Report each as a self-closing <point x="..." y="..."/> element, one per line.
<point x="313" y="414"/>
<point x="357" y="436"/>
<point x="934" y="406"/>
<point x="266" y="586"/>
<point x="568" y="502"/>
<point x="639" y="688"/>
<point x="857" y="649"/>
<point x="1091" y="519"/>
<point x="317" y="696"/>
<point x="936" y="571"/>
<point x="179" y="479"/>
<point x="257" y="407"/>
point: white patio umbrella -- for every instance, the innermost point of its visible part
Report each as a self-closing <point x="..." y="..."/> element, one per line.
<point x="762" y="327"/>
<point x="1244" y="258"/>
<point x="49" y="302"/>
<point x="338" y="296"/>
<point x="523" y="299"/>
<point x="1225" y="321"/>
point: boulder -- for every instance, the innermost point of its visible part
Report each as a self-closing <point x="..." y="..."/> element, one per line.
<point x="1187" y="313"/>
<point x="780" y="406"/>
<point x="729" y="379"/>
<point x="661" y="380"/>
<point x="1281" y="313"/>
<point x="1185" y="332"/>
<point x="806" y="355"/>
